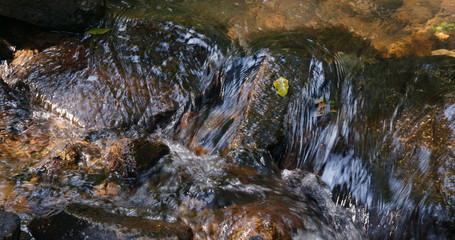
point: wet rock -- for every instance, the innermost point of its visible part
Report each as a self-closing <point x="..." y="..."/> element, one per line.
<point x="13" y="109"/>
<point x="140" y="78"/>
<point x="413" y="166"/>
<point x="259" y="220"/>
<point x="84" y="222"/>
<point x="60" y="15"/>
<point x="59" y="157"/>
<point x="129" y="157"/>
<point x="322" y="217"/>
<point x="10" y="225"/>
<point x="251" y="121"/>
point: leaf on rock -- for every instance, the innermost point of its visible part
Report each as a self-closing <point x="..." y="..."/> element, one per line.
<point x="98" y="31"/>
<point x="281" y="86"/>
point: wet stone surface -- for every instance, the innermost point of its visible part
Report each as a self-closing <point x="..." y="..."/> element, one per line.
<point x="9" y="226"/>
<point x="264" y="220"/>
<point x="78" y="221"/>
<point x="248" y="122"/>
<point x="129" y="157"/>
<point x="131" y="80"/>
<point x="61" y="156"/>
<point x="13" y="110"/>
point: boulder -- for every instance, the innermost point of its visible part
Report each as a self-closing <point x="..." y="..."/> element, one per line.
<point x="146" y="72"/>
<point x="78" y="221"/>
<point x="10" y="225"/>
<point x="72" y="15"/>
<point x="128" y="157"/>
<point x="259" y="220"/>
<point x="250" y="121"/>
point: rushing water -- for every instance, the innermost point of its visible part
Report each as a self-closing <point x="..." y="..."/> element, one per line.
<point x="360" y="147"/>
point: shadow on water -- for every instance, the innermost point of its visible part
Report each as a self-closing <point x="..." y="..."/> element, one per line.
<point x="358" y="147"/>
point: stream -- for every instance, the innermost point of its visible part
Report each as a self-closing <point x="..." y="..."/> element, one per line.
<point x="360" y="146"/>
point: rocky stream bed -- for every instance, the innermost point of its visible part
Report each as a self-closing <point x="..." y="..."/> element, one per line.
<point x="276" y="119"/>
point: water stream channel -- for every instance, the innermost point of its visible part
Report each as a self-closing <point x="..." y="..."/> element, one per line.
<point x="361" y="145"/>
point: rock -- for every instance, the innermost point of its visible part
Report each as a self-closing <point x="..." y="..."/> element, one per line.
<point x="141" y="78"/>
<point x="60" y="15"/>
<point x="78" y="221"/>
<point x="259" y="220"/>
<point x="323" y="218"/>
<point x="10" y="225"/>
<point x="251" y="125"/>
<point x="59" y="157"/>
<point x="13" y="109"/>
<point x="413" y="153"/>
<point x="128" y="157"/>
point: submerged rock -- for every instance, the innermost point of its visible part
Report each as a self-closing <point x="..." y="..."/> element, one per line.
<point x="54" y="14"/>
<point x="10" y="225"/>
<point x="323" y="218"/>
<point x="78" y="221"/>
<point x="129" y="157"/>
<point x="260" y="220"/>
<point x="13" y="109"/>
<point x="250" y="121"/>
<point x="59" y="157"/>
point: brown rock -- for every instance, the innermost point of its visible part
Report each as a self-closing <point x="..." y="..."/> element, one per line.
<point x="128" y="157"/>
<point x="78" y="221"/>
<point x="259" y="220"/>
<point x="59" y="157"/>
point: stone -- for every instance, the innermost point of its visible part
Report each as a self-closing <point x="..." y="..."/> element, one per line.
<point x="259" y="220"/>
<point x="79" y="221"/>
<point x="252" y="125"/>
<point x="142" y="80"/>
<point x="323" y="218"/>
<point x="60" y="15"/>
<point x="10" y="225"/>
<point x="59" y="157"/>
<point x="128" y="157"/>
<point x="13" y="109"/>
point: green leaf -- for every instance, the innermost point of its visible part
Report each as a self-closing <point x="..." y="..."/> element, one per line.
<point x="98" y="31"/>
<point x="443" y="27"/>
<point x="281" y="86"/>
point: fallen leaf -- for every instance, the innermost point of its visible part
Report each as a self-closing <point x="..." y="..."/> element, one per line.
<point x="98" y="31"/>
<point x="281" y="86"/>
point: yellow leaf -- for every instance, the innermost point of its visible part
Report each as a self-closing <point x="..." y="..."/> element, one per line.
<point x="98" y="31"/>
<point x="281" y="86"/>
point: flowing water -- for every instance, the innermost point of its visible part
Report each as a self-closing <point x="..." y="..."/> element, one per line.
<point x="360" y="147"/>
